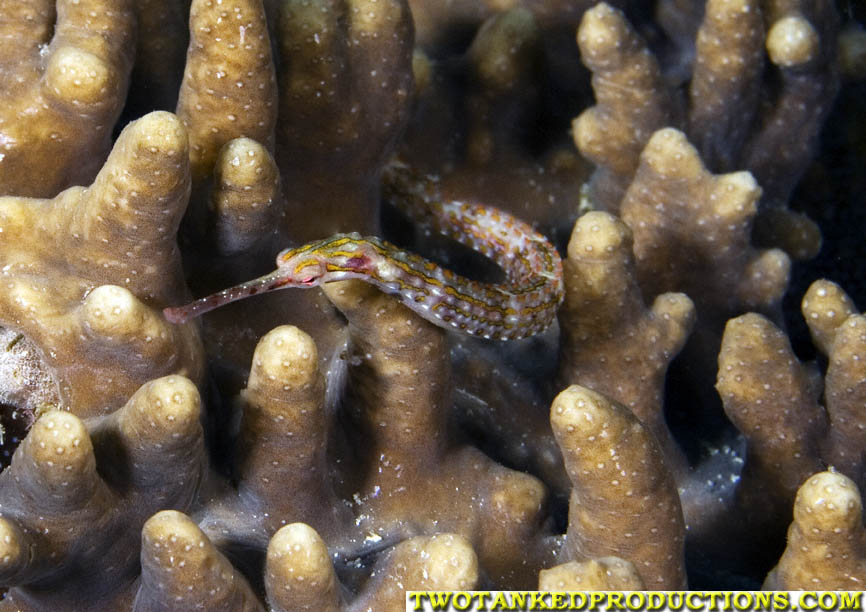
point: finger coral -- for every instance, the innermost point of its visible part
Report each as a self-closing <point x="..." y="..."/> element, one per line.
<point x="182" y="569"/>
<point x="76" y="496"/>
<point x="774" y="400"/>
<point x="400" y="413"/>
<point x="618" y="472"/>
<point x="692" y="231"/>
<point x="631" y="101"/>
<point x="760" y="380"/>
<point x="282" y="444"/>
<point x="85" y="272"/>
<point x="729" y="59"/>
<point x="64" y="71"/>
<point x="230" y="66"/>
<point x="607" y="573"/>
<point x="345" y="86"/>
<point x="826" y="541"/>
<point x="228" y="88"/>
<point x="330" y="448"/>
<point x="492" y="103"/>
<point x="604" y="304"/>
<point x="724" y="115"/>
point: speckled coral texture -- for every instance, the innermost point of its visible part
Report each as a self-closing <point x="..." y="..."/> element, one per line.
<point x="681" y="424"/>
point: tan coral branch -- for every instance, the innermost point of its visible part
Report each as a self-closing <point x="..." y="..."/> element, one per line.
<point x="108" y="254"/>
<point x="624" y="501"/>
<point x="60" y="97"/>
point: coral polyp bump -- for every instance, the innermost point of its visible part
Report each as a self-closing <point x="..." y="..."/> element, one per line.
<point x="657" y="413"/>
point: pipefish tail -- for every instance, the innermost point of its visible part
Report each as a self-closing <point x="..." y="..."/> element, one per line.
<point x="524" y="304"/>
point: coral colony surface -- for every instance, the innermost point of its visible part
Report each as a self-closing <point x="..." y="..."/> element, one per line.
<point x="695" y="417"/>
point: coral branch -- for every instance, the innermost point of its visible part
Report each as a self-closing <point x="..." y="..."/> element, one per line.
<point x="60" y="97"/>
<point x="283" y="437"/>
<point x="631" y="101"/>
<point x="398" y="392"/>
<point x="604" y="305"/>
<point x="623" y="501"/>
<point x="345" y="83"/>
<point x="75" y="501"/>
<point x="605" y="574"/>
<point x="229" y="86"/>
<point x="826" y="541"/>
<point x="299" y="574"/>
<point x="691" y="231"/>
<point x="725" y="82"/>
<point x="180" y="568"/>
<point x="108" y="253"/>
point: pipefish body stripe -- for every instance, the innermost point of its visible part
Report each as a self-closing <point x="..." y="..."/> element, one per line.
<point x="523" y="305"/>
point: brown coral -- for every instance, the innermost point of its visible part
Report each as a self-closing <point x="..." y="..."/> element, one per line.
<point x="692" y="231"/>
<point x="108" y="256"/>
<point x="624" y="501"/>
<point x="826" y="541"/>
<point x="345" y="85"/>
<point x="283" y="438"/>
<point x="396" y="409"/>
<point x="282" y="444"/>
<point x="724" y="116"/>
<point x="774" y="401"/>
<point x="181" y="568"/>
<point x="398" y="396"/>
<point x="64" y="84"/>
<point x="75" y="497"/>
<point x="631" y="101"/>
<point x="692" y="234"/>
<point x="504" y="59"/>
<point x="336" y="58"/>
<point x="773" y="398"/>
<point x="228" y="89"/>
<point x="492" y="105"/>
<point x="725" y="84"/>
<point x="603" y="304"/>
<point x="357" y="427"/>
<point x="607" y="573"/>
<point x="801" y="41"/>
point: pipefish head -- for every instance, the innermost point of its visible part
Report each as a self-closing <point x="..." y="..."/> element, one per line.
<point x="301" y="267"/>
<point x="340" y="257"/>
<point x="336" y="258"/>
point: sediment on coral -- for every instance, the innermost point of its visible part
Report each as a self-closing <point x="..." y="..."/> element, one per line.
<point x="327" y="449"/>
